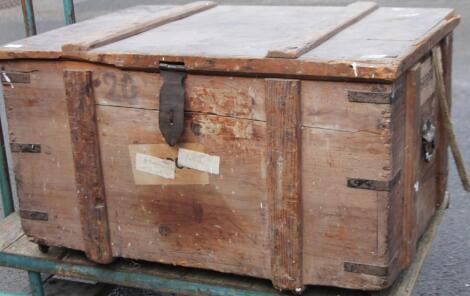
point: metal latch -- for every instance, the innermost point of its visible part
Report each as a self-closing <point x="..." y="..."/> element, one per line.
<point x="172" y="96"/>
<point x="429" y="135"/>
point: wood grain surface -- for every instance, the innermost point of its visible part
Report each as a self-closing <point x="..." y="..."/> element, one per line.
<point x="88" y="174"/>
<point x="284" y="182"/>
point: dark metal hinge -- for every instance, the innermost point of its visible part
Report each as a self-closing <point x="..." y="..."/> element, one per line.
<point x="172" y="97"/>
<point x="374" y="184"/>
<point x="25" y="148"/>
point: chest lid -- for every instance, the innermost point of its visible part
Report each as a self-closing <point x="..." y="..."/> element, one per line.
<point x="357" y="41"/>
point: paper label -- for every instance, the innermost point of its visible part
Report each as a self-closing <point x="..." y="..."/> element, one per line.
<point x="154" y="165"/>
<point x="183" y="176"/>
<point x="198" y="161"/>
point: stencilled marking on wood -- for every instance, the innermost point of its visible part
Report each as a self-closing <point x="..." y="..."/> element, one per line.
<point x="198" y="161"/>
<point x="34" y="215"/>
<point x="366" y="269"/>
<point x="155" y="166"/>
<point x="373" y="184"/>
<point x="116" y="87"/>
<point x="183" y="176"/>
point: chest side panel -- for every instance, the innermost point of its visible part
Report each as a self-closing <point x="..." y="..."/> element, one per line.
<point x="36" y="111"/>
<point x="346" y="136"/>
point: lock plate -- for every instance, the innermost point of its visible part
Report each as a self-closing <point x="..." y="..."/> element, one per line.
<point x="172" y="97"/>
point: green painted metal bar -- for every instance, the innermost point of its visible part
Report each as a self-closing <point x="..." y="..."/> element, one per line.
<point x="35" y="283"/>
<point x="7" y="199"/>
<point x="28" y="17"/>
<point x="69" y="12"/>
<point x="5" y="190"/>
<point x="133" y="279"/>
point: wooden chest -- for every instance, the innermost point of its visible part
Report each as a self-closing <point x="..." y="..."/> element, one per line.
<point x="298" y="144"/>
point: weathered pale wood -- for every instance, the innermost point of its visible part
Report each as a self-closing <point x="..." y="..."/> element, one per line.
<point x="284" y="181"/>
<point x="382" y="57"/>
<point x="42" y="102"/>
<point x="327" y="29"/>
<point x="231" y="96"/>
<point x="222" y="225"/>
<point x="411" y="161"/>
<point x="351" y="237"/>
<point x="88" y="174"/>
<point x="102" y="36"/>
<point x="403" y="286"/>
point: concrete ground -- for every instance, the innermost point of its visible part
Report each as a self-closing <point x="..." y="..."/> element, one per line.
<point x="447" y="268"/>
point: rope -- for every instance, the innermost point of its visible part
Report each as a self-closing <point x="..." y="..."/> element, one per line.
<point x="443" y="102"/>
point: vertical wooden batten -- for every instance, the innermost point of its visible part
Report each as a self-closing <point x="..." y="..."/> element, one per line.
<point x="88" y="174"/>
<point x="411" y="161"/>
<point x="284" y="182"/>
<point x="443" y="142"/>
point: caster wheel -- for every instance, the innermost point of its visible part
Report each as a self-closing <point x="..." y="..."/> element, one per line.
<point x="43" y="248"/>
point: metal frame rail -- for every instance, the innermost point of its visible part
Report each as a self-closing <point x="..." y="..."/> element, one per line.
<point x="215" y="284"/>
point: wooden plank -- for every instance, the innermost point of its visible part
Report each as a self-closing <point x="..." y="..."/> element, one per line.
<point x="284" y="182"/>
<point x="220" y="226"/>
<point x="411" y="164"/>
<point x="351" y="13"/>
<point x="88" y="174"/>
<point x="231" y="96"/>
<point x="118" y="32"/>
<point x="384" y="57"/>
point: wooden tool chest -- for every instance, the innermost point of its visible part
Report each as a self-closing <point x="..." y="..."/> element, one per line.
<point x="303" y="145"/>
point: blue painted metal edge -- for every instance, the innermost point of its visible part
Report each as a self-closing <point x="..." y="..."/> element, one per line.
<point x="28" y="17"/>
<point x="69" y="12"/>
<point x="133" y="279"/>
<point x="35" y="283"/>
<point x="7" y="198"/>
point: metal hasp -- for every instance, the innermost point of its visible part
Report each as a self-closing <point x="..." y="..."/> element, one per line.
<point x="172" y="96"/>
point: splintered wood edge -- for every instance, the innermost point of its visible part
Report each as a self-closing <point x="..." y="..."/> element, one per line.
<point x="162" y="18"/>
<point x="358" y="10"/>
